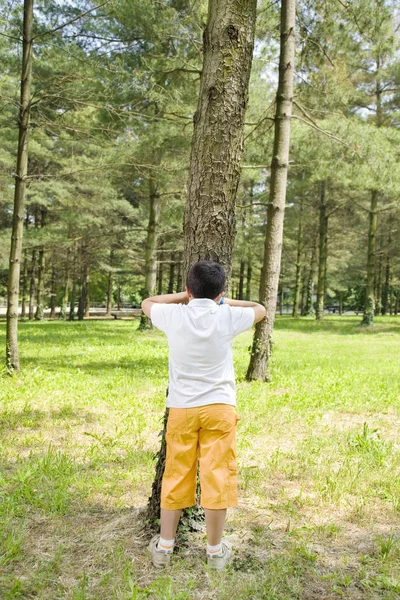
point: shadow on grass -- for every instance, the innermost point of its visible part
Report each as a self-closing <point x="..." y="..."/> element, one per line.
<point x="140" y="368"/>
<point x="338" y="325"/>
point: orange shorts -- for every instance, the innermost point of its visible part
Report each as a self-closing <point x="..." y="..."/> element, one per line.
<point x="205" y="433"/>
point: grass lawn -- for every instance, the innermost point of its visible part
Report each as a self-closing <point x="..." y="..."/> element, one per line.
<point x="318" y="448"/>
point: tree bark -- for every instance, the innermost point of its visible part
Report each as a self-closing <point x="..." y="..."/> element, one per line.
<point x="179" y="286"/>
<point x="53" y="294"/>
<point x="323" y="252"/>
<point x="261" y="348"/>
<point x="369" y="305"/>
<point x="217" y="144"/>
<point x="309" y="308"/>
<point x="171" y="274"/>
<point x="250" y="243"/>
<point x="297" y="287"/>
<point x="24" y="286"/>
<point x="64" y="301"/>
<point x="32" y="286"/>
<point x="160" y="274"/>
<point x="386" y="287"/>
<point x="40" y="283"/>
<point x="12" y="356"/>
<point x="241" y="279"/>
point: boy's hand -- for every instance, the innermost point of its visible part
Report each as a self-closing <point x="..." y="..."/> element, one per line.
<point x="179" y="298"/>
<point x="259" y="309"/>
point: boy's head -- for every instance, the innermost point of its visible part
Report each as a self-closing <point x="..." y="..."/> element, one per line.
<point x="206" y="280"/>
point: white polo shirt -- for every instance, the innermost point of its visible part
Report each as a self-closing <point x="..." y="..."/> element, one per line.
<point x="200" y="338"/>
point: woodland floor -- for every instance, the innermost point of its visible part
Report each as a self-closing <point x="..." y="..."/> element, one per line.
<point x="318" y="449"/>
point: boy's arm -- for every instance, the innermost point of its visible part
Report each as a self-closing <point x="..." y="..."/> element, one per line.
<point x="180" y="298"/>
<point x="259" y="309"/>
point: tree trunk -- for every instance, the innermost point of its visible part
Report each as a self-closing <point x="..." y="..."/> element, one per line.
<point x="217" y="144"/>
<point x="119" y="295"/>
<point x="369" y="306"/>
<point x="40" y="283"/>
<point x="250" y="243"/>
<point x="261" y="348"/>
<point x="40" y="287"/>
<point x="241" y="279"/>
<point x="109" y="293"/>
<point x="378" y="285"/>
<point x="160" y="274"/>
<point x="151" y="248"/>
<point x="386" y="287"/>
<point x="12" y="356"/>
<point x="171" y="274"/>
<point x="297" y="288"/>
<point x="87" y="297"/>
<point x="24" y="286"/>
<point x="322" y="255"/>
<point x="179" y="286"/>
<point x="64" y="302"/>
<point x="309" y="309"/>
<point x="32" y="286"/>
<point x="71" y="316"/>
<point x="83" y="293"/>
<point x="53" y="294"/>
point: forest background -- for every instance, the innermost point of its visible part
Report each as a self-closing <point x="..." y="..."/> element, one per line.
<point x="114" y="94"/>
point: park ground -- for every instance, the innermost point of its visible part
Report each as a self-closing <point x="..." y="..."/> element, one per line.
<point x="318" y="447"/>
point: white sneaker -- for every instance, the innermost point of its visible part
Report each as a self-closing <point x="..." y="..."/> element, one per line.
<point x="218" y="561"/>
<point x="160" y="558"/>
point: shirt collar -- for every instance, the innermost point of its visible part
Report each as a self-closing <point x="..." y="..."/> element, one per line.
<point x="202" y="302"/>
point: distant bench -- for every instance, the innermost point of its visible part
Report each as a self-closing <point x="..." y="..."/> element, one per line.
<point x="123" y="314"/>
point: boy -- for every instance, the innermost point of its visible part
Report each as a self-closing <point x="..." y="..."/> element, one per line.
<point x="201" y="398"/>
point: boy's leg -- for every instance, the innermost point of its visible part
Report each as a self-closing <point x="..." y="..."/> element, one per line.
<point x="169" y="523"/>
<point x="215" y="520"/>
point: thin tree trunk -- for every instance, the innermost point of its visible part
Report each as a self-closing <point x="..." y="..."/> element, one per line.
<point x="369" y="306"/>
<point x="71" y="316"/>
<point x="24" y="285"/>
<point x="261" y="348"/>
<point x="39" y="314"/>
<point x="241" y="278"/>
<point x="303" y="294"/>
<point x="53" y="294"/>
<point x="378" y="285"/>
<point x="179" y="275"/>
<point x="309" y="309"/>
<point x="250" y="243"/>
<point x="109" y="293"/>
<point x="386" y="288"/>
<point x="32" y="286"/>
<point x="64" y="302"/>
<point x="83" y="291"/>
<point x="297" y="287"/>
<point x="12" y="356"/>
<point x="119" y="295"/>
<point x="322" y="255"/>
<point x="171" y="274"/>
<point x="87" y="297"/>
<point x="151" y="248"/>
<point x="160" y="273"/>
<point x="217" y="144"/>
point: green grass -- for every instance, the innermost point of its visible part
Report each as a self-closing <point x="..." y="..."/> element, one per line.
<point x="319" y="459"/>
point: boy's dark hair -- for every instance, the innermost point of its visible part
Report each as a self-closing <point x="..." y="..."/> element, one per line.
<point x="206" y="279"/>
